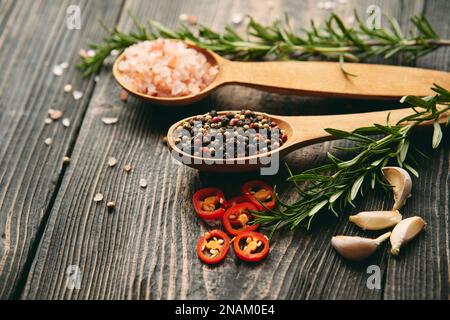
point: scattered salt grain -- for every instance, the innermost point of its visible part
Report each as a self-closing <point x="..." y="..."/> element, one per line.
<point x="165" y="68"/>
<point x="83" y="53"/>
<point x="55" y="114"/>
<point x="184" y="17"/>
<point x="97" y="79"/>
<point x="237" y="18"/>
<point x="77" y="95"/>
<point x="90" y="53"/>
<point x="48" y="121"/>
<point x="67" y="88"/>
<point x="66" y="160"/>
<point x="108" y="121"/>
<point x="114" y="53"/>
<point x="48" y="141"/>
<point x="112" y="161"/>
<point x="57" y="70"/>
<point x="143" y="183"/>
<point x="110" y="205"/>
<point x="329" y="5"/>
<point x="66" y="122"/>
<point x="123" y="96"/>
<point x="98" y="197"/>
<point x="64" y="65"/>
<point x="350" y="20"/>
<point x="127" y="168"/>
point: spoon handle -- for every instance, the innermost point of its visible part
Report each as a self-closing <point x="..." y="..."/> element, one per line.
<point x="327" y="78"/>
<point x="311" y="129"/>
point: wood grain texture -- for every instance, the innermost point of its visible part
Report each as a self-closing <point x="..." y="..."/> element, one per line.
<point x="30" y="45"/>
<point x="422" y="269"/>
<point x="145" y="249"/>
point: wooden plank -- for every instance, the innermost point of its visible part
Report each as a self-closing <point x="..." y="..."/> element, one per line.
<point x="145" y="249"/>
<point x="422" y="269"/>
<point x="30" y="45"/>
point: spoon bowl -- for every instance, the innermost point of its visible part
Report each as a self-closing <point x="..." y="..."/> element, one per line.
<point x="301" y="131"/>
<point x="211" y="57"/>
<point x="312" y="78"/>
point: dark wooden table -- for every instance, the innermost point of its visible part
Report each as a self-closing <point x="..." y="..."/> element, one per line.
<point x="146" y="248"/>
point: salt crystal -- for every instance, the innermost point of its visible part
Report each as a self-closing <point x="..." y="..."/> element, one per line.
<point x="77" y="95"/>
<point x="237" y="18"/>
<point x="57" y="71"/>
<point x="165" y="68"/>
<point x="107" y="120"/>
<point x="64" y="65"/>
<point x="90" y="53"/>
<point x="183" y="17"/>
<point x="127" y="168"/>
<point x="143" y="183"/>
<point x="67" y="88"/>
<point x="66" y="122"/>
<point x="97" y="78"/>
<point x="48" y="120"/>
<point x="55" y="114"/>
<point x="83" y="53"/>
<point x="66" y="160"/>
<point x="329" y="5"/>
<point x="112" y="161"/>
<point x="178" y="88"/>
<point x="114" y="53"/>
<point x="350" y="20"/>
<point x="98" y="197"/>
<point x="48" y="141"/>
<point x="123" y="96"/>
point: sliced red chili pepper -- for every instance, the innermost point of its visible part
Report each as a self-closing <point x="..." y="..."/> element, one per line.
<point x="208" y="203"/>
<point x="239" y="216"/>
<point x="213" y="246"/>
<point x="258" y="190"/>
<point x="251" y="246"/>
<point x="234" y="201"/>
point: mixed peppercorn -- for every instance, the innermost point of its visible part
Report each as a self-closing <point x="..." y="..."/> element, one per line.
<point x="237" y="220"/>
<point x="228" y="136"/>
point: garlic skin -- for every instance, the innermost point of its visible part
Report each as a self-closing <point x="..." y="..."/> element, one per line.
<point x="357" y="248"/>
<point x="402" y="184"/>
<point x="376" y="220"/>
<point x="405" y="231"/>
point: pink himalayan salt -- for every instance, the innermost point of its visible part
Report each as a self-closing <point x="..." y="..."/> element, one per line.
<point x="165" y="68"/>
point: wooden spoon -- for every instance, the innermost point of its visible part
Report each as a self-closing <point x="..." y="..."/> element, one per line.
<point x="309" y="78"/>
<point x="301" y="131"/>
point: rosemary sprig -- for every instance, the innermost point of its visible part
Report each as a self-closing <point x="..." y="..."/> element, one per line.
<point x="333" y="40"/>
<point x="336" y="185"/>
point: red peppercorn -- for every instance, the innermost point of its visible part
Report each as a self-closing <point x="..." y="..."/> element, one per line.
<point x="215" y="119"/>
<point x="284" y="137"/>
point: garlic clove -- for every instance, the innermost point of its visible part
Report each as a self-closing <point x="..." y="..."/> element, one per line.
<point x="357" y="248"/>
<point x="405" y="231"/>
<point x="376" y="220"/>
<point x="402" y="184"/>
